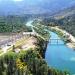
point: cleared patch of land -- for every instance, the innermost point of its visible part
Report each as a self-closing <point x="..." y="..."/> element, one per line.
<point x="25" y="43"/>
<point x="19" y="41"/>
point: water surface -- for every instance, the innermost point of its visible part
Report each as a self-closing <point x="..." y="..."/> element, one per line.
<point x="59" y="55"/>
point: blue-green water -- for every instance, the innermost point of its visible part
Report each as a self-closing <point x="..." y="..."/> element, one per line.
<point x="29" y="23"/>
<point x="60" y="56"/>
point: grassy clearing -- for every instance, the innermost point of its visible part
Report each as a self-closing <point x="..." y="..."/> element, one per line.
<point x="41" y="30"/>
<point x="21" y="41"/>
<point x="24" y="43"/>
<point x="1" y="51"/>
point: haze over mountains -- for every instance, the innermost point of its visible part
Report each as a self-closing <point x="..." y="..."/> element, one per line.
<point x="66" y="19"/>
<point x="18" y="7"/>
<point x="68" y="12"/>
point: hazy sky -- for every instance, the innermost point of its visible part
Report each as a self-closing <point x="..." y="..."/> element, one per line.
<point x="32" y="6"/>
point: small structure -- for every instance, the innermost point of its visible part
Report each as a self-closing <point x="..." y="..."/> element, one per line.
<point x="17" y="50"/>
<point x="29" y="33"/>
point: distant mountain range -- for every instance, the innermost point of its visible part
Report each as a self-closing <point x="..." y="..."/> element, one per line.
<point x="8" y="7"/>
<point x="68" y="12"/>
<point x="66" y="19"/>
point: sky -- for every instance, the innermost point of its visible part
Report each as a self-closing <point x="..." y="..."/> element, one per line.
<point x="33" y="6"/>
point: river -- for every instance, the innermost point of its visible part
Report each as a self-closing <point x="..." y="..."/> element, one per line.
<point x="59" y="56"/>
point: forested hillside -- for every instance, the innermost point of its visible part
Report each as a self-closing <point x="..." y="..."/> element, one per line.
<point x="68" y="23"/>
<point x="27" y="62"/>
<point x="14" y="23"/>
<point x="64" y="19"/>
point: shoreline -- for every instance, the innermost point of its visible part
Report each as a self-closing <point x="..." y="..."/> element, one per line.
<point x="70" y="44"/>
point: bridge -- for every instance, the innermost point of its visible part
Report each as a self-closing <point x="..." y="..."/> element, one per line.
<point x="56" y="42"/>
<point x="59" y="42"/>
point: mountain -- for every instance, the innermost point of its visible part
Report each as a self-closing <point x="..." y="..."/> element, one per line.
<point x="65" y="13"/>
<point x="66" y="19"/>
<point x="8" y="7"/>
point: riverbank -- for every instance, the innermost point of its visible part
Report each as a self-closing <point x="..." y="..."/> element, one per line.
<point x="27" y="62"/>
<point x="41" y="46"/>
<point x="30" y="52"/>
<point x="71" y="43"/>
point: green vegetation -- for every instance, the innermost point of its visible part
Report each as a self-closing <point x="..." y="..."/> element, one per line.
<point x="67" y="23"/>
<point x="13" y="24"/>
<point x="41" y="30"/>
<point x="41" y="46"/>
<point x="1" y="51"/>
<point x="29" y="62"/>
<point x="64" y="23"/>
<point x="60" y="34"/>
<point x="25" y="63"/>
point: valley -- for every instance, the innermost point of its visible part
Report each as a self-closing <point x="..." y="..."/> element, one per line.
<point x="37" y="37"/>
